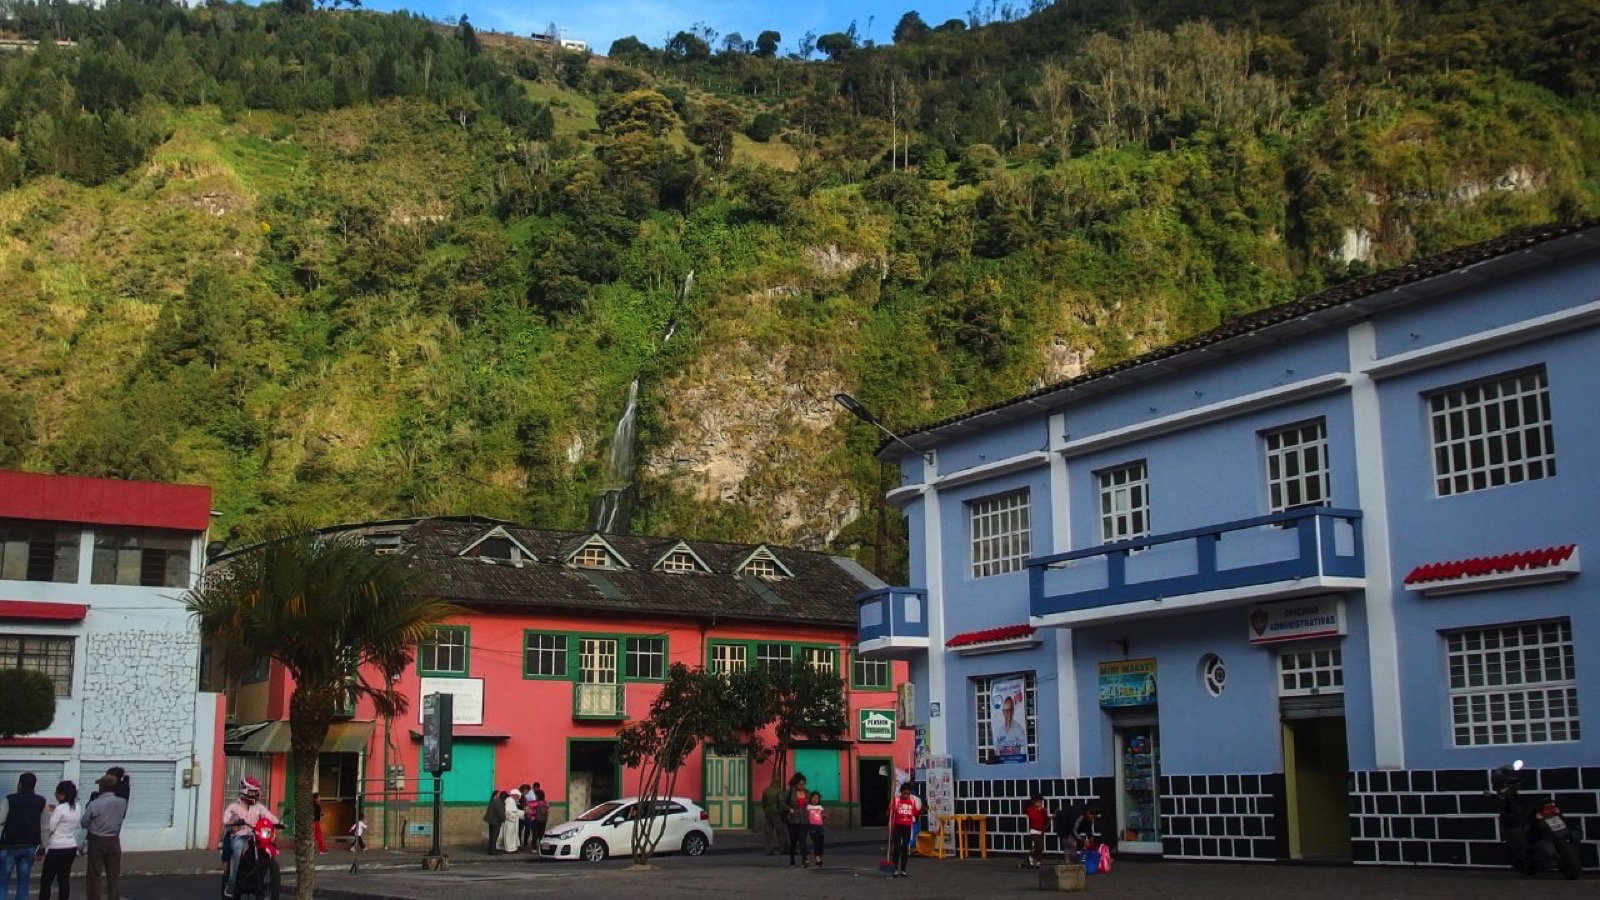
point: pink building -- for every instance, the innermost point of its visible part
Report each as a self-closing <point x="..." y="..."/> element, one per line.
<point x="564" y="639"/>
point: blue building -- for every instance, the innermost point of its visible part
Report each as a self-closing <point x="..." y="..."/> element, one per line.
<point x="1286" y="589"/>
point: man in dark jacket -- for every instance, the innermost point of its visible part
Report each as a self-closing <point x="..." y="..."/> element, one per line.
<point x="20" y="835"/>
<point x="494" y="817"/>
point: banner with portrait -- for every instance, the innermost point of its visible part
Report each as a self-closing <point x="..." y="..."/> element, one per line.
<point x="1008" y="719"/>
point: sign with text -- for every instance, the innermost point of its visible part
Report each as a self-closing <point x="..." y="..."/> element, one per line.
<point x="1297" y="620"/>
<point x="939" y="782"/>
<point x="875" y="725"/>
<point x="1008" y="715"/>
<point x="467" y="693"/>
<point x="1128" y="682"/>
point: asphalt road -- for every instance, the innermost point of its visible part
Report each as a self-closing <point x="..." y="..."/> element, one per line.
<point x="852" y="872"/>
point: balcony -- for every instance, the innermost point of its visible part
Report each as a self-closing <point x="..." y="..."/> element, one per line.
<point x="602" y="702"/>
<point x="892" y="622"/>
<point x="1297" y="553"/>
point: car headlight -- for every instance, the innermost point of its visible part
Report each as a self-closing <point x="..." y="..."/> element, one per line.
<point x="562" y="835"/>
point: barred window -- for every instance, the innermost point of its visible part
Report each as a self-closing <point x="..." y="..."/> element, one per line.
<point x="761" y="567"/>
<point x="544" y="655"/>
<point x="593" y="556"/>
<point x="38" y="551"/>
<point x="146" y="557"/>
<point x="1315" y="670"/>
<point x="646" y="658"/>
<point x="41" y="653"/>
<point x="1001" y="533"/>
<point x="1513" y="684"/>
<point x="726" y="658"/>
<point x="870" y="674"/>
<point x="679" y="561"/>
<point x="1492" y="433"/>
<point x="446" y="652"/>
<point x="775" y="655"/>
<point x="821" y="659"/>
<point x="1297" y="466"/>
<point x="981" y="692"/>
<point x="1124" y="503"/>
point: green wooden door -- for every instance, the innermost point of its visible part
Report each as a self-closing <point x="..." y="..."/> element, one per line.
<point x="471" y="775"/>
<point x="728" y="791"/>
<point x="821" y="769"/>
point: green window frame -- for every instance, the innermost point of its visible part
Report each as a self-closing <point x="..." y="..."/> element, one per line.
<point x="431" y="663"/>
<point x="864" y="674"/>
<point x="787" y="653"/>
<point x="547" y="655"/>
<point x="645" y="658"/>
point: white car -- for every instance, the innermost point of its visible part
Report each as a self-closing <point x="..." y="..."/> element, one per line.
<point x="607" y="830"/>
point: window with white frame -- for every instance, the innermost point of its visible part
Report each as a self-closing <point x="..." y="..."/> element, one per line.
<point x="775" y="655"/>
<point x="1303" y="672"/>
<point x="1124" y="503"/>
<point x="727" y="658"/>
<point x="1297" y="466"/>
<point x="593" y="556"/>
<point x="821" y="659"/>
<point x="40" y="653"/>
<point x="1513" y="684"/>
<point x="1002" y="533"/>
<point x="544" y="655"/>
<point x="984" y="731"/>
<point x="1492" y="433"/>
<point x="679" y="561"/>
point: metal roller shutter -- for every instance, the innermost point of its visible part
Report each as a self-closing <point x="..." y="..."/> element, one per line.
<point x="48" y="773"/>
<point x="153" y="788"/>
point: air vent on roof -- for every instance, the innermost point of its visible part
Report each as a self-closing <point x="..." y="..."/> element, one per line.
<point x="762" y="590"/>
<point x="603" y="584"/>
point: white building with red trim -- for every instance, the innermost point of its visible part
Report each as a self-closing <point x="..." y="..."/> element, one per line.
<point x="92" y="577"/>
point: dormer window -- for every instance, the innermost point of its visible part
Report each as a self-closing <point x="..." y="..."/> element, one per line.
<point x="597" y="554"/>
<point x="762" y="564"/>
<point x="498" y="546"/>
<point x="682" y="559"/>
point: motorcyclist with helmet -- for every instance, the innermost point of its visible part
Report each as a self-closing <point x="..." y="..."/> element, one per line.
<point x="239" y="823"/>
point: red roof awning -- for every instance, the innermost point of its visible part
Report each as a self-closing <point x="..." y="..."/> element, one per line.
<point x="40" y="742"/>
<point x="991" y="635"/>
<point x="104" y="501"/>
<point x="1479" y="566"/>
<point x="40" y="611"/>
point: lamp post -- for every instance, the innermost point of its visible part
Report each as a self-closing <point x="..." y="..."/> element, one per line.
<point x="860" y="411"/>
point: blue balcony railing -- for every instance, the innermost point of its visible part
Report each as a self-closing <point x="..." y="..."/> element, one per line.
<point x="1302" y="546"/>
<point x="892" y="617"/>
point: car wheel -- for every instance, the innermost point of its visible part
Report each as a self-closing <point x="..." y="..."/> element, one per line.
<point x="694" y="844"/>
<point x="594" y="850"/>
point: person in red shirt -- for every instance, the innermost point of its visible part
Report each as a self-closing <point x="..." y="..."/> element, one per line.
<point x="903" y="811"/>
<point x="1037" y="817"/>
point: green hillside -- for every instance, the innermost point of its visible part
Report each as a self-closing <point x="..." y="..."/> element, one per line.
<point x="343" y="265"/>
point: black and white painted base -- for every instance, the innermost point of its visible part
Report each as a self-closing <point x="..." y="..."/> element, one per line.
<point x="1223" y="817"/>
<point x="1003" y="800"/>
<point x="1445" y="817"/>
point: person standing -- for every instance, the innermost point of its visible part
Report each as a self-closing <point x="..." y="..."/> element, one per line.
<point x="794" y="809"/>
<point x="773" y="829"/>
<point x="1038" y="818"/>
<point x="541" y="817"/>
<point x="21" y="835"/>
<point x="903" y="812"/>
<point x="525" y="824"/>
<point x="102" y="819"/>
<point x="61" y="841"/>
<point x="358" y="846"/>
<point x="494" y="817"/>
<point x="316" y="823"/>
<point x="508" y="827"/>
<point x="816" y="824"/>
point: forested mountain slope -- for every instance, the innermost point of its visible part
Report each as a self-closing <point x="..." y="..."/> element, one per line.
<point x="344" y="265"/>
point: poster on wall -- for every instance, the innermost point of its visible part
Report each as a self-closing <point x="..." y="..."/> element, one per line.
<point x="1008" y="726"/>
<point x="1128" y="682"/>
<point x="939" y="782"/>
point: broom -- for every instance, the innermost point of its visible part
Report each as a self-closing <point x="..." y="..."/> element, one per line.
<point x="886" y="867"/>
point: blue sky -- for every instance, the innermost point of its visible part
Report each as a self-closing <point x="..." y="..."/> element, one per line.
<point x="600" y="23"/>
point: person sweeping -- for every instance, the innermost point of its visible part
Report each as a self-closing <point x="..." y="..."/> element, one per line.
<point x="903" y="812"/>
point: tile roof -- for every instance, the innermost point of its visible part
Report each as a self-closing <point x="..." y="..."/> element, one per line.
<point x="990" y="635"/>
<point x="1480" y="566"/>
<point x="1341" y="295"/>
<point x="822" y="590"/>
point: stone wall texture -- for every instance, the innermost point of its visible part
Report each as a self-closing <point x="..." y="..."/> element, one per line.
<point x="139" y="694"/>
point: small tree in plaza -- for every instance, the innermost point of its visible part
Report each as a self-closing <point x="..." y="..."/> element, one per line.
<point x="803" y="703"/>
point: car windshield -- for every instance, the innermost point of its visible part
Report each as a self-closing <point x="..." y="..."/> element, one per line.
<point x="599" y="812"/>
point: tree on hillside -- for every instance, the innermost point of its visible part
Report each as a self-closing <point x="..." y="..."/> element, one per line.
<point x="630" y="49"/>
<point x="910" y="28"/>
<point x="468" y="36"/>
<point x="637" y="111"/>
<point x="713" y="130"/>
<point x="836" y="45"/>
<point x="16" y="429"/>
<point x="30" y="705"/>
<point x="687" y="47"/>
<point x="767" y="43"/>
<point x="334" y="614"/>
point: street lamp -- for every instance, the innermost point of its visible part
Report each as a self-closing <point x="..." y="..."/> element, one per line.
<point x="861" y="412"/>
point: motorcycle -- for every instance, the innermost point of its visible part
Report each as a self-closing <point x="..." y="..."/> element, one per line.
<point x="260" y="877"/>
<point x="1536" y="835"/>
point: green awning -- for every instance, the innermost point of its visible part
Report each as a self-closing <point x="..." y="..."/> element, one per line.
<point x="343" y="737"/>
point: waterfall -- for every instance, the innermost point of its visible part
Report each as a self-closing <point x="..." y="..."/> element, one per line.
<point x="614" y="506"/>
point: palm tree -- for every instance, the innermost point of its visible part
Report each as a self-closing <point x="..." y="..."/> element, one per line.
<point x="334" y="614"/>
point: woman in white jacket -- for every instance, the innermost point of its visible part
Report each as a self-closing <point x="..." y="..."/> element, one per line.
<point x="508" y="828"/>
<point x="60" y="839"/>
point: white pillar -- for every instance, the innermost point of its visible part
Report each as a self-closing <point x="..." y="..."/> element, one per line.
<point x="933" y="552"/>
<point x="1383" y="643"/>
<point x="1061" y="541"/>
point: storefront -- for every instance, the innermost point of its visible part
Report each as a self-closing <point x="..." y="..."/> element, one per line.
<point x="1128" y="697"/>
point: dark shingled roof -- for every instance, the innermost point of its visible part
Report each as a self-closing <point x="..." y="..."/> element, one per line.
<point x="1346" y="294"/>
<point x="822" y="590"/>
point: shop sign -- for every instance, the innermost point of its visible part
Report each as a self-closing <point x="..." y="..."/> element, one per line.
<point x="876" y="725"/>
<point x="468" y="694"/>
<point x="1297" y="620"/>
<point x="1128" y="682"/>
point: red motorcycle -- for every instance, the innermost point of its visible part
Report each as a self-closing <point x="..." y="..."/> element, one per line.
<point x="260" y="878"/>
